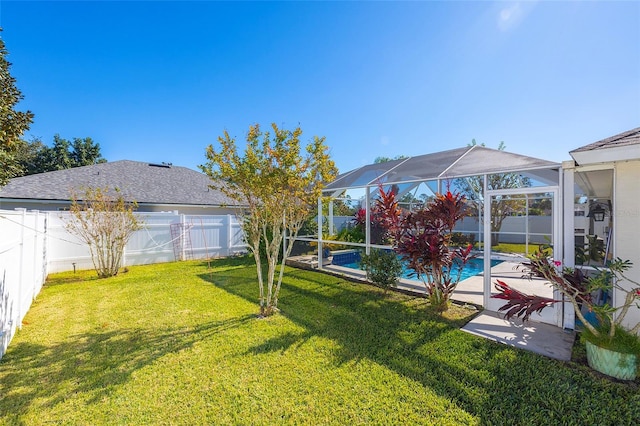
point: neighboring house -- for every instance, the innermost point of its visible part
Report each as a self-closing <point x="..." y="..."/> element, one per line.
<point x="605" y="175"/>
<point x="155" y="187"/>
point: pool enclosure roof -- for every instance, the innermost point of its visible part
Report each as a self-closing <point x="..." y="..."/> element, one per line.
<point x="455" y="163"/>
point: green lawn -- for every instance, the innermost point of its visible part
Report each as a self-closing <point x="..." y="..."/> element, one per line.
<point x="180" y="343"/>
<point x="512" y="248"/>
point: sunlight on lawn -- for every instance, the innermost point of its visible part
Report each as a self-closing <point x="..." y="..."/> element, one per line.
<point x="181" y="343"/>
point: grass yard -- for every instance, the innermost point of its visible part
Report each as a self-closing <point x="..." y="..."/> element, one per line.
<point x="512" y="248"/>
<point x="180" y="343"/>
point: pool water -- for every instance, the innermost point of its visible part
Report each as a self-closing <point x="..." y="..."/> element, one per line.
<point x="472" y="268"/>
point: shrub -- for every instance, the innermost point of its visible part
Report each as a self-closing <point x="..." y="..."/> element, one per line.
<point x="105" y="222"/>
<point x="423" y="240"/>
<point x="460" y="239"/>
<point x="383" y="267"/>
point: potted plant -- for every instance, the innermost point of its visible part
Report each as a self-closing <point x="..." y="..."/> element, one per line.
<point x="611" y="349"/>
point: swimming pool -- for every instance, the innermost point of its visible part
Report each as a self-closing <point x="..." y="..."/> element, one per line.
<point x="474" y="267"/>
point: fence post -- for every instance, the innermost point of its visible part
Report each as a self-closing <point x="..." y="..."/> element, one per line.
<point x="36" y="227"/>
<point x="45" y="247"/>
<point x="183" y="229"/>
<point x="229" y="234"/>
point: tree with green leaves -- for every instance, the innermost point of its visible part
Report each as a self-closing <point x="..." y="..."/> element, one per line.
<point x="29" y="156"/>
<point x="36" y="157"/>
<point x="381" y="159"/>
<point x="85" y="152"/>
<point x="472" y="188"/>
<point x="276" y="185"/>
<point x="13" y="123"/>
<point x="57" y="157"/>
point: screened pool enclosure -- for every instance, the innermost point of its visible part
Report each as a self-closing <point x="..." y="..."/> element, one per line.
<point x="514" y="203"/>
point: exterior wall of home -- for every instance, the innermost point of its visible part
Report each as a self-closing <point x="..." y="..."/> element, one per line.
<point x="190" y="210"/>
<point x="627" y="225"/>
<point x="156" y="208"/>
<point x="33" y="205"/>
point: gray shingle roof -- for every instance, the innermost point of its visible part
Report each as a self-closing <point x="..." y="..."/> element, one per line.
<point x="142" y="182"/>
<point x="628" y="138"/>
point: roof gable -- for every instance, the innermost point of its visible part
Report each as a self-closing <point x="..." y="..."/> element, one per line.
<point x="620" y="147"/>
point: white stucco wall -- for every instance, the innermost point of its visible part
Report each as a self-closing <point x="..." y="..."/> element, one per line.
<point x="627" y="224"/>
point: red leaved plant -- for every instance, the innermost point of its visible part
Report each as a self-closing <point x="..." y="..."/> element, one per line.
<point x="422" y="239"/>
<point x="577" y="288"/>
<point x="385" y="216"/>
<point x="520" y="304"/>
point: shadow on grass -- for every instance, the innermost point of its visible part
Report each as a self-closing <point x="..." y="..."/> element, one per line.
<point x="496" y="383"/>
<point x="92" y="363"/>
<point x="226" y="262"/>
<point x="70" y="277"/>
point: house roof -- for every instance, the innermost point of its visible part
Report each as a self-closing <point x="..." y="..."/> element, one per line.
<point x="460" y="162"/>
<point x="621" y="147"/>
<point x="144" y="183"/>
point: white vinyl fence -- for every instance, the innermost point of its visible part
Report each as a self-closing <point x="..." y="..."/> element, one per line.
<point x="23" y="267"/>
<point x="194" y="237"/>
<point x="34" y="244"/>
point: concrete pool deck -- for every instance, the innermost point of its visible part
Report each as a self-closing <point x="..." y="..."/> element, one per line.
<point x="469" y="290"/>
<point x="543" y="339"/>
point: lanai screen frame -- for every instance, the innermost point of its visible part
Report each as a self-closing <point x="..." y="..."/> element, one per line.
<point x="442" y="167"/>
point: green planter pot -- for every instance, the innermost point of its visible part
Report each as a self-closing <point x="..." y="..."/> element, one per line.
<point x="614" y="364"/>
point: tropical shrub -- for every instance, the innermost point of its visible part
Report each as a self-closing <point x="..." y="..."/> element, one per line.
<point x="578" y="287"/>
<point x="423" y="240"/>
<point x="383" y="267"/>
<point x="351" y="234"/>
<point x="460" y="239"/>
<point x="384" y="217"/>
<point x="593" y="250"/>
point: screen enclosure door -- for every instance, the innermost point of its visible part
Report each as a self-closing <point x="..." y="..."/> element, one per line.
<point x="521" y="221"/>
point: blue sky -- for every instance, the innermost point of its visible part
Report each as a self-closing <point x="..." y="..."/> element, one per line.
<point x="159" y="81"/>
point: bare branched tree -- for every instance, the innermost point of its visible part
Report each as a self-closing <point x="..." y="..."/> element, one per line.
<point x="105" y="222"/>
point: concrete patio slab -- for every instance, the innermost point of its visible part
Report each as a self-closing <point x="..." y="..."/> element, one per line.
<point x="536" y="337"/>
